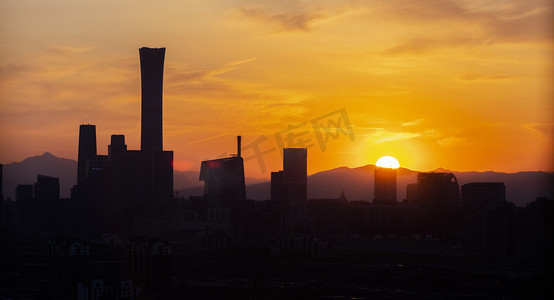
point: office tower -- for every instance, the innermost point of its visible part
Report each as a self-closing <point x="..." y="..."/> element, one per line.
<point x="27" y="208"/>
<point x="277" y="186"/>
<point x="224" y="187"/>
<point x="117" y="145"/>
<point x="129" y="190"/>
<point x="87" y="150"/>
<point x="384" y="186"/>
<point x="47" y="199"/>
<point x="438" y="190"/>
<point x="117" y="151"/>
<point x="151" y="73"/>
<point x="224" y="179"/>
<point x="295" y="174"/>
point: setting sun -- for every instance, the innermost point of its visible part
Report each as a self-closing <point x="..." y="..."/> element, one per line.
<point x="388" y="162"/>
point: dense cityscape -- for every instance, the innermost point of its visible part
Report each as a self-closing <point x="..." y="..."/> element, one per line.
<point x="125" y="234"/>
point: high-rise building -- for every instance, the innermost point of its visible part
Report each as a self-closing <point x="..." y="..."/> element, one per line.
<point x="47" y="198"/>
<point x="151" y="73"/>
<point x="224" y="179"/>
<point x="384" y="186"/>
<point x="27" y="208"/>
<point x="224" y="188"/>
<point x="87" y="150"/>
<point x="295" y="175"/>
<point x="129" y="190"/>
<point x="438" y="190"/>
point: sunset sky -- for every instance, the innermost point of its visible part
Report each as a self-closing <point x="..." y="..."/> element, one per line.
<point x="463" y="85"/>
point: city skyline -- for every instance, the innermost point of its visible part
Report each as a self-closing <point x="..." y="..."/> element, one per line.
<point x="128" y="231"/>
<point x="416" y="81"/>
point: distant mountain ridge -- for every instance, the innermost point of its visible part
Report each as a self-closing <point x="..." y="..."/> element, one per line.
<point x="26" y="171"/>
<point x="357" y="183"/>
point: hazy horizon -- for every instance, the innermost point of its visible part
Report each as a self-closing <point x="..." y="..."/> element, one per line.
<point x="309" y="174"/>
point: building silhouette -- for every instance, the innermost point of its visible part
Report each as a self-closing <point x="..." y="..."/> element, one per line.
<point x="87" y="150"/>
<point x="478" y="195"/>
<point x="384" y="185"/>
<point x="129" y="191"/>
<point x="295" y="175"/>
<point x="27" y="208"/>
<point x="438" y="190"/>
<point x="47" y="199"/>
<point x="151" y="74"/>
<point x="289" y="188"/>
<point x="224" y="187"/>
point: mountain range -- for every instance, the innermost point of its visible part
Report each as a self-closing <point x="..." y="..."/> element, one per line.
<point x="356" y="183"/>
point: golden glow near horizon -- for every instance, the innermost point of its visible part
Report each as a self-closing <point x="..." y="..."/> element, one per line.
<point x="464" y="85"/>
<point x="388" y="162"/>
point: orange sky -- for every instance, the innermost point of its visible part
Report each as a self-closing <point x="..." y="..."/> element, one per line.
<point x="464" y="85"/>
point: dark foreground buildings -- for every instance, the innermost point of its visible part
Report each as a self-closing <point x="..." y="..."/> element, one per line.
<point x="224" y="191"/>
<point x="435" y="190"/>
<point x="128" y="191"/>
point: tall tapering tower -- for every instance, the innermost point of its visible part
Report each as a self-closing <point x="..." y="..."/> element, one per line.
<point x="295" y="174"/>
<point x="151" y="74"/>
<point x="87" y="150"/>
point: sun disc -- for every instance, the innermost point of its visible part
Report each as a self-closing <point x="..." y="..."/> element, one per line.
<point x="388" y="162"/>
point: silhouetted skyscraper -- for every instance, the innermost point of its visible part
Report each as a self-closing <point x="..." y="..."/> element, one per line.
<point x="438" y="189"/>
<point x="87" y="150"/>
<point x="224" y="188"/>
<point x="151" y="72"/>
<point x="47" y="198"/>
<point x="27" y="208"/>
<point x="295" y="174"/>
<point x="129" y="190"/>
<point x="384" y="186"/>
<point x="224" y="179"/>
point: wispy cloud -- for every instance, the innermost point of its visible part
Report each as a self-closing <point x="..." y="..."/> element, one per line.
<point x="412" y="123"/>
<point x="451" y="141"/>
<point x="283" y="20"/>
<point x="482" y="77"/>
<point x="381" y="135"/>
<point x="543" y="129"/>
<point x="454" y="24"/>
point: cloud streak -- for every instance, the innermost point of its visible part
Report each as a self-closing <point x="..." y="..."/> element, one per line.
<point x="288" y="20"/>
